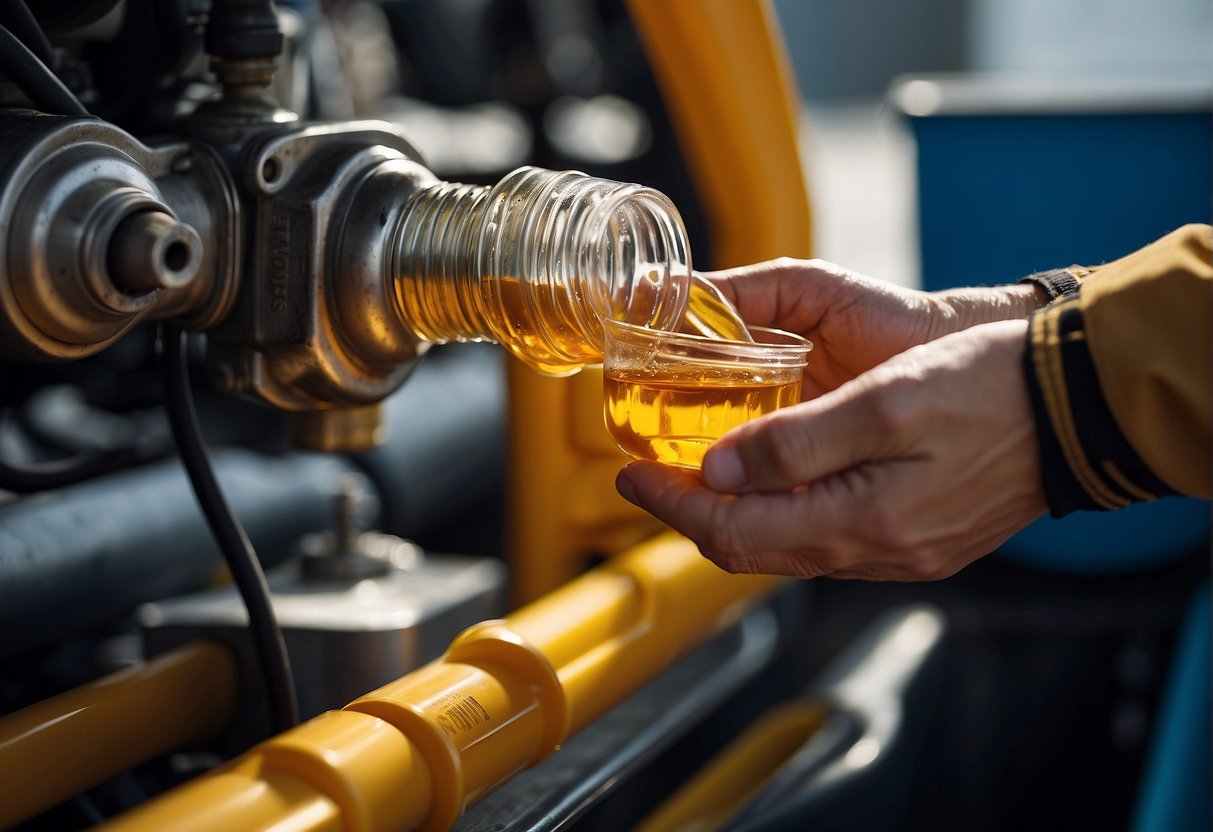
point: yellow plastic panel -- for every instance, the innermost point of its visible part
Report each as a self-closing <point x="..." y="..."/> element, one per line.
<point x="562" y="505"/>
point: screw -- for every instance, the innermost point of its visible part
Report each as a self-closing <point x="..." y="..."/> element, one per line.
<point x="349" y="523"/>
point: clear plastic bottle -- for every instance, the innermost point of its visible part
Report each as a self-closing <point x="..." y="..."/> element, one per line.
<point x="538" y="261"/>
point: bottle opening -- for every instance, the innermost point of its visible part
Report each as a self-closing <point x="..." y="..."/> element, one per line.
<point x="638" y="261"/>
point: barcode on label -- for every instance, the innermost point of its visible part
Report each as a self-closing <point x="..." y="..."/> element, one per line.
<point x="463" y="715"/>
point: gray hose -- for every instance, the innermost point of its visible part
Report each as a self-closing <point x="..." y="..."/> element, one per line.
<point x="74" y="559"/>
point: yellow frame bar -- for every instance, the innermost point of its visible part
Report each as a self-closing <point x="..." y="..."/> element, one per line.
<point x="56" y="748"/>
<point x="727" y="84"/>
<point x="418" y="751"/>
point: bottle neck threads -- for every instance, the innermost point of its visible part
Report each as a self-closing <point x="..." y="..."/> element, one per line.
<point x="537" y="262"/>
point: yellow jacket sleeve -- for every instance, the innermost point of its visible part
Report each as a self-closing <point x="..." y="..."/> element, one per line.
<point x="1121" y="378"/>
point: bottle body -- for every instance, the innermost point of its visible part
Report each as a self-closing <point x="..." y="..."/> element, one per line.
<point x="537" y="262"/>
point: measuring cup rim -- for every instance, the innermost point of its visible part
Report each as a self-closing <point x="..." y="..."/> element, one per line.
<point x="796" y="343"/>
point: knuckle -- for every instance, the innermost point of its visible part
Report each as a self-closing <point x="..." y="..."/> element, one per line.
<point x="779" y="451"/>
<point x="786" y="263"/>
<point x="721" y="534"/>
<point x="924" y="566"/>
<point x="732" y="543"/>
<point x="740" y="565"/>
<point x="886" y="529"/>
<point x="815" y="567"/>
<point x="891" y="407"/>
<point x="729" y="561"/>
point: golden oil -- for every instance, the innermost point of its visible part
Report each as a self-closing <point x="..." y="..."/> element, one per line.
<point x="710" y="314"/>
<point x="674" y="417"/>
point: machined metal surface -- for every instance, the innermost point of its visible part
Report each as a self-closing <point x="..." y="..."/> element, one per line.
<point x="345" y="636"/>
<point x="92" y="241"/>
<point x="152" y="250"/>
<point x="315" y="327"/>
<point x="341" y="430"/>
<point x="103" y="231"/>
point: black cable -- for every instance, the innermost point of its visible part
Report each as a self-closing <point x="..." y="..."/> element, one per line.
<point x="43" y="476"/>
<point x="43" y="87"/>
<point x="47" y="93"/>
<point x="16" y="16"/>
<point x="237" y="549"/>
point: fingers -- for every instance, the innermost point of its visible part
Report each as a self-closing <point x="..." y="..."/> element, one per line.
<point x="785" y="293"/>
<point x="795" y="533"/>
<point x="799" y="445"/>
<point x="677" y="498"/>
<point x="847" y="527"/>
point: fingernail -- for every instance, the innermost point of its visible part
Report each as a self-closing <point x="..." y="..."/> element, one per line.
<point x="625" y="488"/>
<point x="722" y="469"/>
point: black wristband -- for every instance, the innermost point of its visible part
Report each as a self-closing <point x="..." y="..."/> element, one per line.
<point x="1057" y="283"/>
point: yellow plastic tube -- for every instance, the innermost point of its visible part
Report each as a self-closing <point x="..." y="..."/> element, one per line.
<point x="416" y="752"/>
<point x="56" y="748"/>
<point x="243" y="796"/>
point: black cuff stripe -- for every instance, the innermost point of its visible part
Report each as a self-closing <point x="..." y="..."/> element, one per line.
<point x="1102" y="440"/>
<point x="1062" y="490"/>
<point x="1115" y="472"/>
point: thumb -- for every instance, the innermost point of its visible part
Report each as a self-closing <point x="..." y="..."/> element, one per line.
<point x="797" y="445"/>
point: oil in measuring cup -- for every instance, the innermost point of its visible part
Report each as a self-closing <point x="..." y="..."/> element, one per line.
<point x="668" y="396"/>
<point x="674" y="418"/>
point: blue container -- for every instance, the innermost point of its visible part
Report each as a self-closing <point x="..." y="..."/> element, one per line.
<point x="1016" y="177"/>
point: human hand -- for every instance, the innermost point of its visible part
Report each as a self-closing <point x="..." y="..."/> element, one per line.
<point x="909" y="472"/>
<point x="856" y="322"/>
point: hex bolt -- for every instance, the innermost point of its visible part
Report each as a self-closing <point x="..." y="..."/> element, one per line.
<point x="152" y="250"/>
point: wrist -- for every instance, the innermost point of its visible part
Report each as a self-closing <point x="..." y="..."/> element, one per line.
<point x="958" y="309"/>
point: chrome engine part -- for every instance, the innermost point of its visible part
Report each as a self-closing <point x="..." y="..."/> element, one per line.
<point x="102" y="231"/>
<point x="313" y="327"/>
<point x="275" y="237"/>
